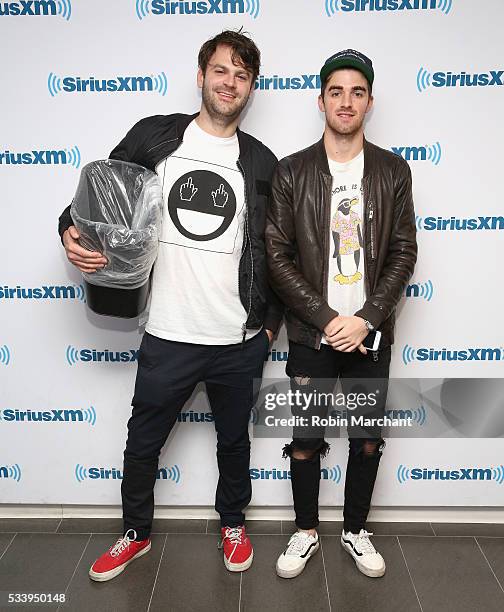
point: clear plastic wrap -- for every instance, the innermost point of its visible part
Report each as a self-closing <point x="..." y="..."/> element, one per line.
<point x="117" y="210"/>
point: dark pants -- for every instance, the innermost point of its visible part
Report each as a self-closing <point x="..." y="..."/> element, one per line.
<point x="167" y="375"/>
<point x="317" y="371"/>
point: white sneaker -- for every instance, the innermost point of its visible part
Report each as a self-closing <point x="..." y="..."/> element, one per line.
<point x="368" y="561"/>
<point x="300" y="548"/>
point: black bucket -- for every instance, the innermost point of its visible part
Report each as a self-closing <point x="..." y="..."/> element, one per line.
<point x="125" y="303"/>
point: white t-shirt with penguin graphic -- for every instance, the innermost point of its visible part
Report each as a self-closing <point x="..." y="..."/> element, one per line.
<point x="345" y="289"/>
<point x="195" y="296"/>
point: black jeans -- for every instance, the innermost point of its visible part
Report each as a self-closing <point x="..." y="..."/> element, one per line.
<point x="317" y="371"/>
<point x="167" y="375"/>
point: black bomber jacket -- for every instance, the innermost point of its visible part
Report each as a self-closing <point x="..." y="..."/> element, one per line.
<point x="153" y="139"/>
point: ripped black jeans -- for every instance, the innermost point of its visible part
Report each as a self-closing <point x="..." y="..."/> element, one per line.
<point x="316" y="372"/>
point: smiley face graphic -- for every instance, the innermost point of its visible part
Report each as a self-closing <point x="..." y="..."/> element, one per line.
<point x="201" y="205"/>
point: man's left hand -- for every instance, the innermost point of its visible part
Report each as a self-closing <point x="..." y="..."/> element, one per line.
<point x="350" y="337"/>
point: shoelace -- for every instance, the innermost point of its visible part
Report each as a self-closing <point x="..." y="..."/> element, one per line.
<point x="123" y="543"/>
<point x="296" y="544"/>
<point x="234" y="535"/>
<point x="363" y="543"/>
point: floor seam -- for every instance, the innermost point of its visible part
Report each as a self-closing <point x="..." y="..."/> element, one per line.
<point x="75" y="569"/>
<point x="240" y="596"/>
<point x="8" y="546"/>
<point x="432" y="527"/>
<point x="157" y="573"/>
<point x="56" y="530"/>
<point x="325" y="575"/>
<point x="489" y="564"/>
<point x="409" y="573"/>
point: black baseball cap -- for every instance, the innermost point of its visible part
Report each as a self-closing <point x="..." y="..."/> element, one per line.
<point x="349" y="58"/>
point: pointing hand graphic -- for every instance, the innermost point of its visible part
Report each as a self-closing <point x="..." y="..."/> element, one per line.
<point x="188" y="190"/>
<point x="220" y="196"/>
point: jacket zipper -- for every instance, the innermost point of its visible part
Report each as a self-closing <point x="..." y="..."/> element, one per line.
<point x="325" y="273"/>
<point x="162" y="143"/>
<point x="247" y="242"/>
<point x="371" y="229"/>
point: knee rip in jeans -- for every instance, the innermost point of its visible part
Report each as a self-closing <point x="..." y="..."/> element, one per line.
<point x="302" y="454"/>
<point x="302" y="381"/>
<point x="371" y="448"/>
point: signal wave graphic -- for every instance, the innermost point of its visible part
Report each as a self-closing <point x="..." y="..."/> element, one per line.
<point x="73" y="158"/>
<point x="419" y="416"/>
<point x="53" y="84"/>
<point x="142" y="8"/>
<point x="422" y="290"/>
<point x="408" y="354"/>
<point x="5" y="355"/>
<point x="445" y="6"/>
<point x="11" y="471"/>
<point x="403" y="473"/>
<point x="331" y="6"/>
<point x="434" y="153"/>
<point x="498" y="474"/>
<point x="90" y="415"/>
<point x="161" y="83"/>
<point x="253" y="8"/>
<point x="80" y="473"/>
<point x="72" y="355"/>
<point x="65" y="9"/>
<point x="423" y="79"/>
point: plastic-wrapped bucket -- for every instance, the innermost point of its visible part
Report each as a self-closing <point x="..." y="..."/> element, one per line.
<point x="117" y="210"/>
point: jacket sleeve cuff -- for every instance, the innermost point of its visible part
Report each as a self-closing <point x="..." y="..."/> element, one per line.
<point x="322" y="317"/>
<point x="272" y="320"/>
<point x="371" y="313"/>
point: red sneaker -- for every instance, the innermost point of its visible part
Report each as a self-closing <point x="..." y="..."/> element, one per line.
<point x="238" y="553"/>
<point x="115" y="560"/>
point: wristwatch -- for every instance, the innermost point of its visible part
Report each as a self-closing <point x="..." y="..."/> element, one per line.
<point x="370" y="326"/>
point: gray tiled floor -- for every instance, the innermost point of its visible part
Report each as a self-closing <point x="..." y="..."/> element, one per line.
<point x="430" y="567"/>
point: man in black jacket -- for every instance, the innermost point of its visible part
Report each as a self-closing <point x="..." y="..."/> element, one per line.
<point x="212" y="315"/>
<point x="341" y="247"/>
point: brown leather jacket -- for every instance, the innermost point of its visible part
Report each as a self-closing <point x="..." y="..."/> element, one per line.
<point x="297" y="239"/>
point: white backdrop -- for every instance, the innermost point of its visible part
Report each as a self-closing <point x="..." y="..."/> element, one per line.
<point x="451" y="135"/>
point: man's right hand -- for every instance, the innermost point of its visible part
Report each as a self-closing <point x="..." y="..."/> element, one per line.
<point x="84" y="260"/>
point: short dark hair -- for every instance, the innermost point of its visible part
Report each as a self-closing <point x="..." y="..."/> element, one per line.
<point x="324" y="84"/>
<point x="243" y="50"/>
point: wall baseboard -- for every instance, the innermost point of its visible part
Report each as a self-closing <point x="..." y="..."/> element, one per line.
<point x="424" y="514"/>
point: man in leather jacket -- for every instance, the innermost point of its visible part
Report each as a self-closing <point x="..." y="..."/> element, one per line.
<point x="341" y="244"/>
<point x="212" y="314"/>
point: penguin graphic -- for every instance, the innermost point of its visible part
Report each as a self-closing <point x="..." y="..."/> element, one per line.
<point x="347" y="236"/>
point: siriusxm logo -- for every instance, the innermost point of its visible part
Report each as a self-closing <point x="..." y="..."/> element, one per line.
<point x="333" y="474"/>
<point x="303" y="81"/>
<point x="5" y="355"/>
<point x="430" y="153"/>
<point x="410" y="354"/>
<point x="11" y="471"/>
<point x="70" y="157"/>
<point x="87" y="355"/>
<point x="453" y="224"/>
<point x="195" y="417"/>
<point x="45" y="292"/>
<point x="200" y="7"/>
<point x="405" y="473"/>
<point x="417" y="415"/>
<point x="425" y="79"/>
<point x="275" y="355"/>
<point x="101" y="473"/>
<point x="75" y="84"/>
<point x="50" y="8"/>
<point x="420" y="290"/>
<point x="88" y="415"/>
<point x="345" y="6"/>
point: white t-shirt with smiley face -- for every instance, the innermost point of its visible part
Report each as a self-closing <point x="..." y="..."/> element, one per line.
<point x="195" y="296"/>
